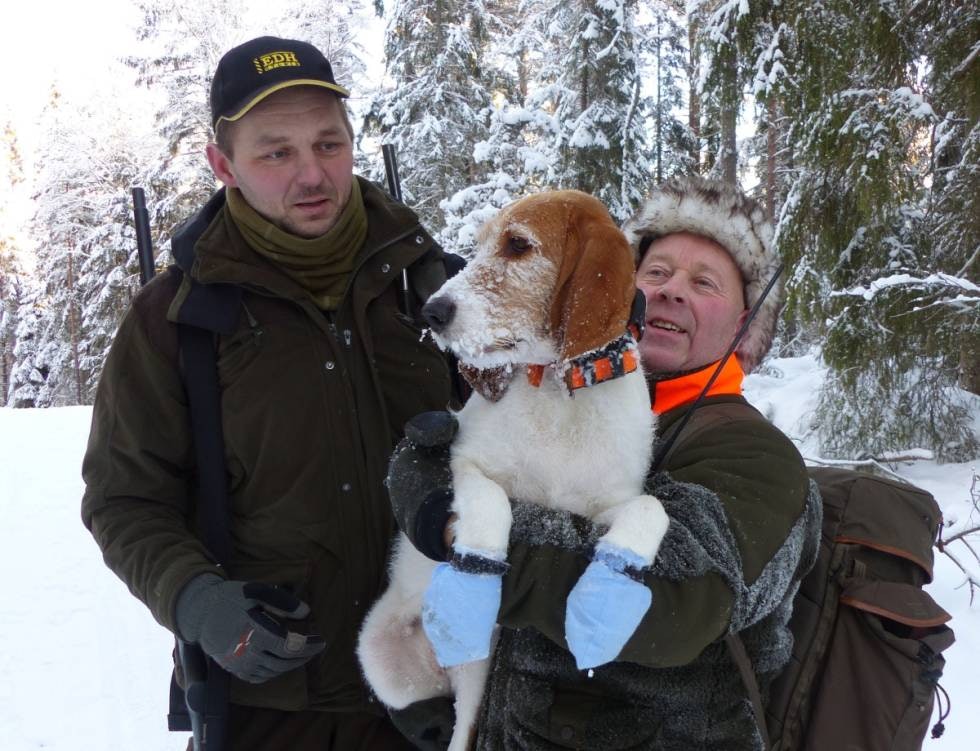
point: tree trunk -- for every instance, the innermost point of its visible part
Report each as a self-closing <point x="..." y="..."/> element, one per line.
<point x="727" y="150"/>
<point x="772" y="137"/>
<point x="660" y="112"/>
<point x="694" y="107"/>
<point x="969" y="379"/>
<point x="73" y="323"/>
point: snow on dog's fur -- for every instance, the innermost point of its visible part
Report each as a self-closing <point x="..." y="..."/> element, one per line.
<point x="552" y="281"/>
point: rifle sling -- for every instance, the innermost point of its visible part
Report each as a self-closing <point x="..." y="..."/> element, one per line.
<point x="199" y="368"/>
<point x="736" y="649"/>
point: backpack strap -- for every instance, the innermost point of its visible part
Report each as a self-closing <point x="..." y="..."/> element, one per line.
<point x="736" y="650"/>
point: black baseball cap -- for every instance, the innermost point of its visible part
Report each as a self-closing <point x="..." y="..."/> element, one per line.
<point x="252" y="71"/>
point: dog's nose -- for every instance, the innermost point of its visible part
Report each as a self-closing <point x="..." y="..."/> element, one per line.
<point x="438" y="312"/>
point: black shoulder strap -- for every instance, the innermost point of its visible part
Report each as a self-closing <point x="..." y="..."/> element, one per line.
<point x="206" y="311"/>
<point x="206" y="691"/>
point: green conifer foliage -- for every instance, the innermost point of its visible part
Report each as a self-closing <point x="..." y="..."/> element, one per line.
<point x="855" y="227"/>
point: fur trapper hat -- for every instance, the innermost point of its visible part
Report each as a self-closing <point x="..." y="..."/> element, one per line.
<point x="733" y="220"/>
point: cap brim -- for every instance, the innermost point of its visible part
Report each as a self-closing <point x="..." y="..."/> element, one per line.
<point x="243" y="110"/>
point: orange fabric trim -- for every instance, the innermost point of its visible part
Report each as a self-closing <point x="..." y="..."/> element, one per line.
<point x="676" y="392"/>
<point x="534" y="374"/>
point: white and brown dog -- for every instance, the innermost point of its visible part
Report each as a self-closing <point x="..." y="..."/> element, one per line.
<point x="561" y="417"/>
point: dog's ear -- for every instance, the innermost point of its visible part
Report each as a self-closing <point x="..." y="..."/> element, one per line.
<point x="595" y="289"/>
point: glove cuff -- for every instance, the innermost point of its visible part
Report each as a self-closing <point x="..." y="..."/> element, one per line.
<point x="472" y="562"/>
<point x="620" y="560"/>
<point x="190" y="609"/>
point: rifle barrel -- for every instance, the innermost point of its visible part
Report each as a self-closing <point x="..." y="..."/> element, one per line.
<point x="144" y="244"/>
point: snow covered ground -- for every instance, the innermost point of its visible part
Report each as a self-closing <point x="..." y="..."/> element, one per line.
<point x="84" y="666"/>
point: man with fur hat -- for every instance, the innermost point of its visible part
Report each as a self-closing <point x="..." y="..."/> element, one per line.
<point x="297" y="267"/>
<point x="744" y="522"/>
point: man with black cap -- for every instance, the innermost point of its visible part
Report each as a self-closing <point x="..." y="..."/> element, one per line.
<point x="320" y="363"/>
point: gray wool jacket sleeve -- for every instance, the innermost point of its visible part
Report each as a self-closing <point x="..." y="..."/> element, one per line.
<point x="736" y="492"/>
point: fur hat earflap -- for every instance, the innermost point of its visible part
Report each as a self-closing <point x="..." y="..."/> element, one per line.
<point x="724" y="214"/>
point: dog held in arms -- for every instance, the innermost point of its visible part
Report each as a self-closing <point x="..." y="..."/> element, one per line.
<point x="540" y="320"/>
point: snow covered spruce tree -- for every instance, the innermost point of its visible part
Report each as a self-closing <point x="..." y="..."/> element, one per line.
<point x="10" y="291"/>
<point x="589" y="85"/>
<point x="86" y="250"/>
<point x="11" y="174"/>
<point x="854" y="229"/>
<point x="717" y="27"/>
<point x="952" y="223"/>
<point x="435" y="101"/>
<point x="28" y="375"/>
<point x="505" y="164"/>
<point x="665" y="60"/>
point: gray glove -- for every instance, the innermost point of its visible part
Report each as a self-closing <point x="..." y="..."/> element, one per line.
<point x="233" y="623"/>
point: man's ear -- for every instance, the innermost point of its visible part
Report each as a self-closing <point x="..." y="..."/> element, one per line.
<point x="220" y="165"/>
<point x="741" y="319"/>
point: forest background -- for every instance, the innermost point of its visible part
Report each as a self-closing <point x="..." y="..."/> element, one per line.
<point x="856" y="123"/>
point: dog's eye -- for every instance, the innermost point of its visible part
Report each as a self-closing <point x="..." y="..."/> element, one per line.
<point x="517" y="244"/>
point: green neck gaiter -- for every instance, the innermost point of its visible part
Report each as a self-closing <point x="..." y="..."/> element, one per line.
<point x="321" y="265"/>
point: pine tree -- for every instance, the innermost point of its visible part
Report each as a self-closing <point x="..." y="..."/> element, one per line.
<point x="503" y="160"/>
<point x="853" y="228"/>
<point x="673" y="142"/>
<point x="436" y="104"/>
<point x="952" y="221"/>
<point x="587" y="93"/>
<point x="28" y="376"/>
<point x="91" y="156"/>
<point x="11" y="174"/>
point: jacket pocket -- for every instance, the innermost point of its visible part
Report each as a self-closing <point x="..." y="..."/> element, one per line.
<point x="884" y="660"/>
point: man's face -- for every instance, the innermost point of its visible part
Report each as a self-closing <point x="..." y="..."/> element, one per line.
<point x="292" y="158"/>
<point x="695" y="302"/>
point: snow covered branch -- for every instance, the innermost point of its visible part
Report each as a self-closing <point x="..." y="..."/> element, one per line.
<point x="971" y="290"/>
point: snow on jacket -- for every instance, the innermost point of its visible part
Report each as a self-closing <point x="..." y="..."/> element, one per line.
<point x="312" y="404"/>
<point x="744" y="530"/>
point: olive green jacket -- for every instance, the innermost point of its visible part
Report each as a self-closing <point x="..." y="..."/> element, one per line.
<point x="744" y="527"/>
<point x="312" y="404"/>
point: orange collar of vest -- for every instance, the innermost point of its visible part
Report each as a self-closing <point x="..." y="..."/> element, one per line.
<point x="676" y="392"/>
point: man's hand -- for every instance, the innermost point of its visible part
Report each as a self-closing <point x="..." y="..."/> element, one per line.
<point x="236" y="623"/>
<point x="420" y="482"/>
<point x="605" y="606"/>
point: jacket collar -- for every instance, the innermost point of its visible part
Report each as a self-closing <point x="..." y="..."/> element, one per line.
<point x="221" y="254"/>
<point x="684" y="389"/>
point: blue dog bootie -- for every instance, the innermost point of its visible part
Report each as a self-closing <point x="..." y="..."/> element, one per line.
<point x="605" y="606"/>
<point x="459" y="609"/>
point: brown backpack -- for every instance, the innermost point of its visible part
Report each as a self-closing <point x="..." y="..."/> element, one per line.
<point x="868" y="640"/>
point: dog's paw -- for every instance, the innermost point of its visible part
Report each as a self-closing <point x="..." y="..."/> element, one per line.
<point x="637" y="527"/>
<point x="605" y="606"/>
<point x="459" y="610"/>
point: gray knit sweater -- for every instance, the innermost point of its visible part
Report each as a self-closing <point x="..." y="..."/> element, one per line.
<point x="537" y="699"/>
